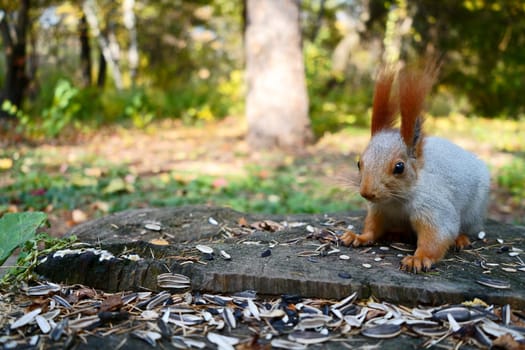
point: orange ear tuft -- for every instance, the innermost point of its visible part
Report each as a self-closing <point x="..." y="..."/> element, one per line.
<point x="414" y="85"/>
<point x="384" y="106"/>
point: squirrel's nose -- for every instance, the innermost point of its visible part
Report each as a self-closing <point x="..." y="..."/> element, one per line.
<point x="368" y="195"/>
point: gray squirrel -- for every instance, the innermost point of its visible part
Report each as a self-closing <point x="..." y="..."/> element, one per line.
<point x="414" y="184"/>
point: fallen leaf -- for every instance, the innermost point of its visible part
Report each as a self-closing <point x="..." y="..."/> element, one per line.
<point x="78" y="216"/>
<point x="111" y="303"/>
<point x="102" y="206"/>
<point x="6" y="163"/>
<point x="159" y="241"/>
<point x="94" y="172"/>
<point x="267" y="225"/>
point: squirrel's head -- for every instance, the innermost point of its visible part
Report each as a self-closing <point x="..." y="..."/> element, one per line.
<point x="389" y="165"/>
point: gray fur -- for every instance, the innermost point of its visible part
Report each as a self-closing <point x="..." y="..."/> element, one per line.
<point x="448" y="190"/>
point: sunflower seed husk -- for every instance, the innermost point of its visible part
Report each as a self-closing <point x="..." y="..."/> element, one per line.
<point x="42" y="324"/>
<point x="84" y="322"/>
<point x="63" y="302"/>
<point x="313" y="322"/>
<point x="27" y="318"/>
<point x="222" y="341"/>
<point x="497" y="330"/>
<point x="229" y="318"/>
<point x="204" y="249"/>
<point x="58" y="330"/>
<point x="348" y="300"/>
<point x="286" y="344"/>
<point x="459" y="313"/>
<point x="33" y="341"/>
<point x="188" y="342"/>
<point x="308" y="337"/>
<point x="212" y="221"/>
<point x="505" y="314"/>
<point x="155" y="301"/>
<point x="430" y="331"/>
<point x="481" y="234"/>
<point x="493" y="283"/>
<point x="421" y="313"/>
<point x="185" y="320"/>
<point x="42" y="289"/>
<point x="382" y="331"/>
<point x="225" y="255"/>
<point x="272" y="314"/>
<point x="149" y="337"/>
<point x="153" y="227"/>
<point x="254" y="310"/>
<point x="509" y="269"/>
<point x="173" y="281"/>
<point x="454" y="326"/>
<point x="481" y="337"/>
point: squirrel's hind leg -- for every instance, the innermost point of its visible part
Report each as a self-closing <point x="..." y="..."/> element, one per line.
<point x="372" y="230"/>
<point x="431" y="247"/>
<point x="462" y="241"/>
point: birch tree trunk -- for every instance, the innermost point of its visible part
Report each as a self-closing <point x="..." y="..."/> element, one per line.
<point x="277" y="100"/>
<point x="89" y="9"/>
<point x="130" y="24"/>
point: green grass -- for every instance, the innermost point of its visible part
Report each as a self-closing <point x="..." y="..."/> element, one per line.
<point x="37" y="181"/>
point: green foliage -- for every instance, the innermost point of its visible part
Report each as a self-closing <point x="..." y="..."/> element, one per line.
<point x="336" y="102"/>
<point x="512" y="177"/>
<point x="62" y="110"/>
<point x="30" y="252"/>
<point x="16" y="229"/>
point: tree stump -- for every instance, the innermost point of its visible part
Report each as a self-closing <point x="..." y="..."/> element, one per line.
<point x="280" y="254"/>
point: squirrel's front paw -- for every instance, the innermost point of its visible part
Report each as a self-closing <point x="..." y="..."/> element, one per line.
<point x="416" y="264"/>
<point x="350" y="237"/>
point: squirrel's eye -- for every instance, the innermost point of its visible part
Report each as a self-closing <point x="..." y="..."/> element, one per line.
<point x="399" y="168"/>
<point x="358" y="165"/>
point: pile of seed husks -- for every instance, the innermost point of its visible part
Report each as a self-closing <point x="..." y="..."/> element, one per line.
<point x="49" y="313"/>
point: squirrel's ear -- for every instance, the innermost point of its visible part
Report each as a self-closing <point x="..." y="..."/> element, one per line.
<point x="384" y="106"/>
<point x="414" y="85"/>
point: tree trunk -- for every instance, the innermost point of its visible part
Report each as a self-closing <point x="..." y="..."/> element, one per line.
<point x="277" y="100"/>
<point x="133" y="52"/>
<point x="89" y="7"/>
<point x="16" y="79"/>
<point x="101" y="79"/>
<point x="85" y="52"/>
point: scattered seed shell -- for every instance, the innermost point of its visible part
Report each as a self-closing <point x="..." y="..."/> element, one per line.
<point x="225" y="255"/>
<point x="27" y="318"/>
<point x="493" y="283"/>
<point x="367" y="266"/>
<point x="204" y="249"/>
<point x="153" y="227"/>
<point x="382" y="331"/>
<point x="481" y="234"/>
<point x="344" y="257"/>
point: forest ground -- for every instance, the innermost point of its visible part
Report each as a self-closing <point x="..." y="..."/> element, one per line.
<point x="218" y="150"/>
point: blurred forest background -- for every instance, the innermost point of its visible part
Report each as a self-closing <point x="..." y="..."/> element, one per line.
<point x="109" y="105"/>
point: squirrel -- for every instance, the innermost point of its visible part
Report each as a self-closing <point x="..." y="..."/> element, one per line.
<point x="424" y="186"/>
